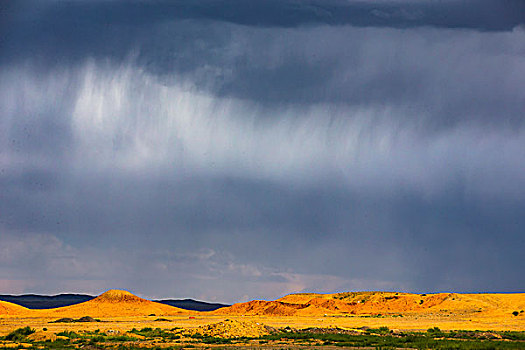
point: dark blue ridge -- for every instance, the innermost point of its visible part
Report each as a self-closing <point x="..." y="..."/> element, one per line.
<point x="34" y="301"/>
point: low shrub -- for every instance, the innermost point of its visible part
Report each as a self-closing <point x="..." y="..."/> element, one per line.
<point x="69" y="334"/>
<point x="19" y="334"/>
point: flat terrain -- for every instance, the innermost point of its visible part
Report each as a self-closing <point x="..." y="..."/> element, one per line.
<point x="117" y="313"/>
<point x="126" y="323"/>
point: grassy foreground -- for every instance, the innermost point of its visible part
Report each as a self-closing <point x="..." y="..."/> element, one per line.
<point x="284" y="338"/>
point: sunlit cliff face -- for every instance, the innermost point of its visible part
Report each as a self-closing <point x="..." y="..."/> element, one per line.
<point x="257" y="160"/>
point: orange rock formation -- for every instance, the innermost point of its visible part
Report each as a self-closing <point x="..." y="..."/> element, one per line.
<point x="373" y="303"/>
<point x="110" y="304"/>
<point x="114" y="303"/>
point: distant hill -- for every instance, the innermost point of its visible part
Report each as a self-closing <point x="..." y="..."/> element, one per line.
<point x="122" y="303"/>
<point x="190" y="304"/>
<point x="383" y="303"/>
<point x="111" y="304"/>
<point x="34" y="301"/>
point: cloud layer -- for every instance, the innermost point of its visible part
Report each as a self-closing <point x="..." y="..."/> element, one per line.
<point x="195" y="156"/>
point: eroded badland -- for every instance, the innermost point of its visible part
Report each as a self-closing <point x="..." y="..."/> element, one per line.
<point x="121" y="319"/>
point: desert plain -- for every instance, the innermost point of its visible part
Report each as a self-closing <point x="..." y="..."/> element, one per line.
<point x="121" y="313"/>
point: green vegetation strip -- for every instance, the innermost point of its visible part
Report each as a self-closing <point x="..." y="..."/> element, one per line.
<point x="434" y="338"/>
<point x="379" y="338"/>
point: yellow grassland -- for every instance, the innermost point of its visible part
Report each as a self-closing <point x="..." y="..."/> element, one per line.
<point x="121" y="311"/>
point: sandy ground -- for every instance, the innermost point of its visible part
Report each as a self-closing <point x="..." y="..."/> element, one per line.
<point x="117" y="311"/>
<point x="123" y="324"/>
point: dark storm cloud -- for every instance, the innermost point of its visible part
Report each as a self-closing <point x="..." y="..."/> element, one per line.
<point x="71" y="30"/>
<point x="237" y="150"/>
<point x="417" y="244"/>
<point x="415" y="70"/>
<point x="479" y="14"/>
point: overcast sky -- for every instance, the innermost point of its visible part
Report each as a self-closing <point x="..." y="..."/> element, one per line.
<point x="233" y="150"/>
